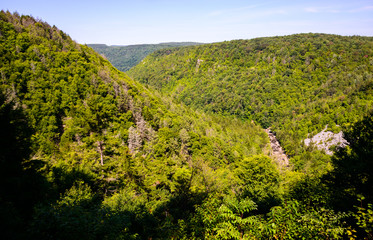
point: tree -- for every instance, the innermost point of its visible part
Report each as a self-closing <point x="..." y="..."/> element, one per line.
<point x="353" y="166"/>
<point x="21" y="186"/>
<point x="229" y="218"/>
<point x="259" y="180"/>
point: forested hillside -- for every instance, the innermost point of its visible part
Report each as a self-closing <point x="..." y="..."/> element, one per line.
<point x="88" y="153"/>
<point x="294" y="84"/>
<point x="126" y="57"/>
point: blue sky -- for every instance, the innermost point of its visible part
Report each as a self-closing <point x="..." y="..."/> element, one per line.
<point x="115" y="22"/>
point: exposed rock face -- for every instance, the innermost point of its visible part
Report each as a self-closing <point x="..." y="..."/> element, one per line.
<point x="142" y="131"/>
<point x="199" y="61"/>
<point x="277" y="153"/>
<point x="325" y="139"/>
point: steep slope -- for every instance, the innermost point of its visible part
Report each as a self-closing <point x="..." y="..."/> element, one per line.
<point x="88" y="153"/>
<point x="296" y="84"/>
<point x="110" y="158"/>
<point x="126" y="57"/>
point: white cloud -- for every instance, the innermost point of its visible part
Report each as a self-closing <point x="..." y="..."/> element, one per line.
<point x="338" y="9"/>
<point x="322" y="10"/>
<point x="312" y="10"/>
<point x="363" y="9"/>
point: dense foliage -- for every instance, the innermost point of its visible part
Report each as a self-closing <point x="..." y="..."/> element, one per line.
<point x="88" y="153"/>
<point x="97" y="138"/>
<point x="295" y="84"/>
<point x="126" y="57"/>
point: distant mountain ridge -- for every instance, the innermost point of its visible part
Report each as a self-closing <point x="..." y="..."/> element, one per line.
<point x="87" y="152"/>
<point x="127" y="56"/>
<point x="86" y="132"/>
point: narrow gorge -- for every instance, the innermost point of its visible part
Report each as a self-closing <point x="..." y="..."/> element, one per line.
<point x="277" y="153"/>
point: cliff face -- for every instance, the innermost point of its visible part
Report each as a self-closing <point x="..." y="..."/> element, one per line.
<point x="324" y="140"/>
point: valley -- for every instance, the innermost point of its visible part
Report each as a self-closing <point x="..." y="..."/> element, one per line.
<point x="294" y="84"/>
<point x="193" y="142"/>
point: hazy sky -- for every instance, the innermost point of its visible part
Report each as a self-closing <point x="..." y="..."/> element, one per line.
<point x="153" y="21"/>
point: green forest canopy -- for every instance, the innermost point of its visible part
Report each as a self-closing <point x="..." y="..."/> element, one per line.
<point x="294" y="84"/>
<point x="89" y="153"/>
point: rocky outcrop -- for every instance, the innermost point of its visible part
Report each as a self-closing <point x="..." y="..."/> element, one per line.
<point x="199" y="61"/>
<point x="277" y="152"/>
<point x="324" y="140"/>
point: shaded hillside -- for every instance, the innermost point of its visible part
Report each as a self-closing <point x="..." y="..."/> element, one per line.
<point x="126" y="57"/>
<point x="112" y="159"/>
<point x="88" y="153"/>
<point x="296" y="84"/>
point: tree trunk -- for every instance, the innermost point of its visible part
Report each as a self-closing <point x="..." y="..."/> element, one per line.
<point x="100" y="149"/>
